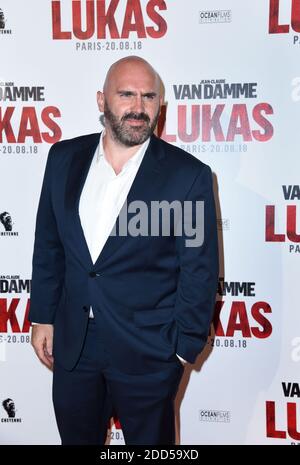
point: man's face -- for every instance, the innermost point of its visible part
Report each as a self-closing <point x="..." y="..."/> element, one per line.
<point x="131" y="103"/>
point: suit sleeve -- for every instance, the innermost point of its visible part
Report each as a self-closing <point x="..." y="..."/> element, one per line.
<point x="198" y="275"/>
<point x="48" y="262"/>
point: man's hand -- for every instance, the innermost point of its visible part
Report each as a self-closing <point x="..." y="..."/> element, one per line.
<point x="42" y="340"/>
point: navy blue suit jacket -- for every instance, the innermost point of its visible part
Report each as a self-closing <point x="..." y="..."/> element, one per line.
<point x="153" y="296"/>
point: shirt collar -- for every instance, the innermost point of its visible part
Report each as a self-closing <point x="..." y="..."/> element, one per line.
<point x="134" y="160"/>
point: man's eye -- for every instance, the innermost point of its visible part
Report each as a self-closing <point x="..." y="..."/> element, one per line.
<point x="149" y="96"/>
<point x="126" y="94"/>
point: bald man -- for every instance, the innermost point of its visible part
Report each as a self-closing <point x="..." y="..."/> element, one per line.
<point x="117" y="315"/>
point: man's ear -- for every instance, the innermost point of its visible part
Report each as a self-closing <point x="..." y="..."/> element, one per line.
<point x="100" y="100"/>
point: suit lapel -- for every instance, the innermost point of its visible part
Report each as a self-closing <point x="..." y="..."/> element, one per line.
<point x="144" y="186"/>
<point x="77" y="175"/>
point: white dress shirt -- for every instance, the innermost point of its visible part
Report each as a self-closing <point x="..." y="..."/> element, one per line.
<point x="103" y="195"/>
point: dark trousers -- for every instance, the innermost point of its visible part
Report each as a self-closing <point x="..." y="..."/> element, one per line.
<point x="85" y="398"/>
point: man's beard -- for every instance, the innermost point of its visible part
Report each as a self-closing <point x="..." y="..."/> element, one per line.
<point x="130" y="135"/>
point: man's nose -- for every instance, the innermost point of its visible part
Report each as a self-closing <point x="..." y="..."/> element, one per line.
<point x="138" y="104"/>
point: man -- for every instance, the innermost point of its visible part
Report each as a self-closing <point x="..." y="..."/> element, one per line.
<point x="124" y="311"/>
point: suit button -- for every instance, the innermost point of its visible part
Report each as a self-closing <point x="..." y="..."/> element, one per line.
<point x="93" y="274"/>
<point x="85" y="308"/>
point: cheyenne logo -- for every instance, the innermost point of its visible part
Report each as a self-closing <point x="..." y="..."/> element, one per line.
<point x="239" y="320"/>
<point x="101" y="20"/>
<point x="10" y="307"/>
<point x="28" y="119"/>
<point x="290" y="193"/>
<point x="10" y="409"/>
<point x="2" y="20"/>
<point x="292" y="412"/>
<point x="207" y="122"/>
<point x="6" y="221"/>
<point x="3" y="30"/>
